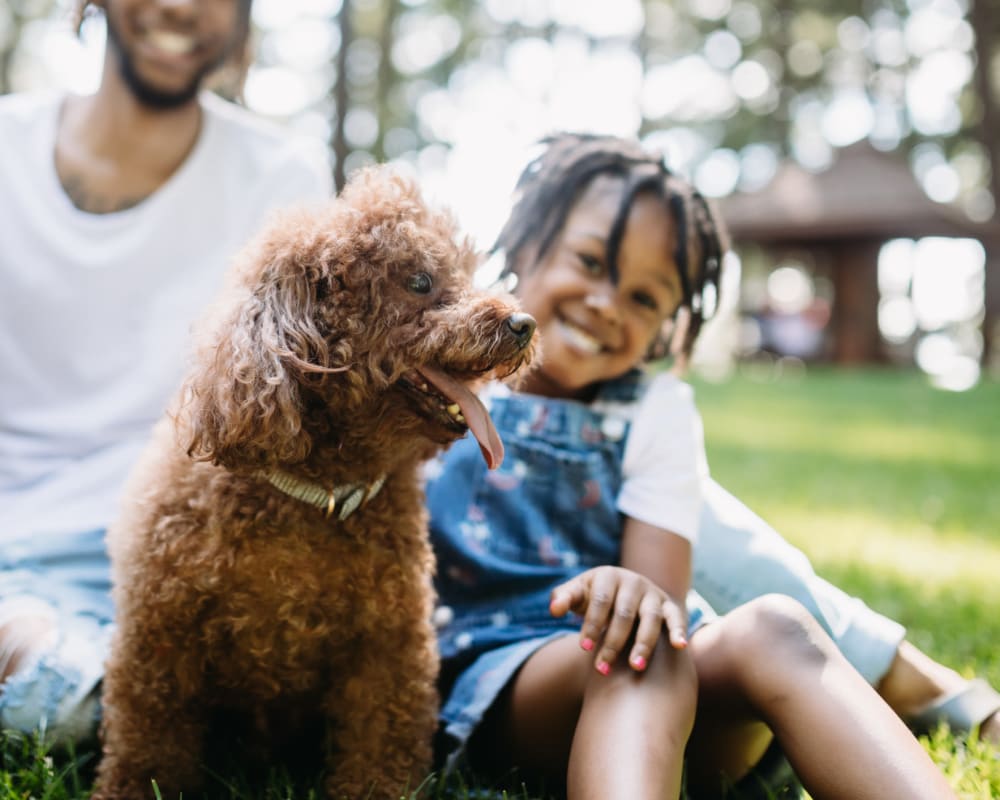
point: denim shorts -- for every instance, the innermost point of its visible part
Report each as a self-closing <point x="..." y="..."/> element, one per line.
<point x="65" y="581"/>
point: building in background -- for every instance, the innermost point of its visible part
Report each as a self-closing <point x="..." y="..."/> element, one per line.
<point x="856" y="264"/>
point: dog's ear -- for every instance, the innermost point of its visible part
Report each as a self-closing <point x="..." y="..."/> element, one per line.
<point x="244" y="402"/>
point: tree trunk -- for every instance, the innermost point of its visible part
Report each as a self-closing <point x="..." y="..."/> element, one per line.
<point x="989" y="126"/>
<point x="387" y="77"/>
<point x="341" y="95"/>
<point x="984" y="25"/>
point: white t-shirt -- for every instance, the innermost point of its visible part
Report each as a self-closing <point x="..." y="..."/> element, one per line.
<point x="95" y="309"/>
<point x="664" y="467"/>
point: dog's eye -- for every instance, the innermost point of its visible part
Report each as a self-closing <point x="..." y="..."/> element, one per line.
<point x="420" y="283"/>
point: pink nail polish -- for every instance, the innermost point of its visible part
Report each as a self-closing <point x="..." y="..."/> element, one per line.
<point x="639" y="662"/>
<point x="603" y="667"/>
<point x="587" y="644"/>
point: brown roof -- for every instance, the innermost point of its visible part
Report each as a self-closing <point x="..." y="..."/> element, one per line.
<point x="865" y="194"/>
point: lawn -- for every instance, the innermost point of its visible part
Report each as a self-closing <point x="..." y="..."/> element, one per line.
<point x="892" y="487"/>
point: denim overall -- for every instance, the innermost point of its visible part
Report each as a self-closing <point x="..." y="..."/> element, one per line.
<point x="504" y="539"/>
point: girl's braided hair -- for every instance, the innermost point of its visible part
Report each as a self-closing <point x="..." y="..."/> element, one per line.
<point x="550" y="185"/>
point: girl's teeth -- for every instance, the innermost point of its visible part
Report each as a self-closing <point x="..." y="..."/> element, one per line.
<point x="580" y="339"/>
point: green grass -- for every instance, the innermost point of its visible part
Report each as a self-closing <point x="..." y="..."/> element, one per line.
<point x="892" y="488"/>
<point x="29" y="770"/>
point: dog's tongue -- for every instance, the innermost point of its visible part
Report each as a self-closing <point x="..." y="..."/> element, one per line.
<point x="475" y="413"/>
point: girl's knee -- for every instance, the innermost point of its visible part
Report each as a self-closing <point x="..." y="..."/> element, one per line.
<point x="669" y="678"/>
<point x="776" y="628"/>
<point x="678" y="671"/>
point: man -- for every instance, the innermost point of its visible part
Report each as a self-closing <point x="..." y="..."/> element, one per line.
<point x="121" y="211"/>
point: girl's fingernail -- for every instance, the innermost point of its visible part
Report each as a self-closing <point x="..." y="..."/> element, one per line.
<point x="681" y="643"/>
<point x="603" y="667"/>
<point x="587" y="644"/>
<point x="639" y="662"/>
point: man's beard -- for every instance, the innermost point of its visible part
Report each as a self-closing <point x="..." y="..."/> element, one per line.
<point x="149" y="95"/>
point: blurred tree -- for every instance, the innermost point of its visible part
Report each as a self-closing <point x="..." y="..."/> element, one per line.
<point x="392" y="53"/>
<point x="341" y="93"/>
<point x="986" y="25"/>
<point x="807" y="77"/>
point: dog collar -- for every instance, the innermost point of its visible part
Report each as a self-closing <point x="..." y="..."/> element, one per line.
<point x="341" y="500"/>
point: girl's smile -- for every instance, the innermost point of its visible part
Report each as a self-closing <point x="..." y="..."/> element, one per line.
<point x="579" y="338"/>
<point x="592" y="329"/>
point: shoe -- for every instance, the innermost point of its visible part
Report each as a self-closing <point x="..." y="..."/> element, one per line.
<point x="963" y="710"/>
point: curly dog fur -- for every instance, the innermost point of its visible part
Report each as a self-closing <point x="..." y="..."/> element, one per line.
<point x="321" y="362"/>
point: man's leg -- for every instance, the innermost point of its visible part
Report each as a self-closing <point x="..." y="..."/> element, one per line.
<point x="55" y="629"/>
<point x="739" y="557"/>
<point x="54" y="685"/>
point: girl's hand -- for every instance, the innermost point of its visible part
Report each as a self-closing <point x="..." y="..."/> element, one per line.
<point x="611" y="601"/>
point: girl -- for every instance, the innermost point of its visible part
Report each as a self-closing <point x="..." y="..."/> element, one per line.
<point x="604" y="467"/>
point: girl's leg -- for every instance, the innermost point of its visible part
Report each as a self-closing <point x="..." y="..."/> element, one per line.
<point x="620" y="735"/>
<point x="770" y="661"/>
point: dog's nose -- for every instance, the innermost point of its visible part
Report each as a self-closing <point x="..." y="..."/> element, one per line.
<point x="522" y="326"/>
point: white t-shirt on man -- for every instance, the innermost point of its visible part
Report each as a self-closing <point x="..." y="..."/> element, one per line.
<point x="95" y="309"/>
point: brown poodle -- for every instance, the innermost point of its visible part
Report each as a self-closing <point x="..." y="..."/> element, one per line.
<point x="272" y="555"/>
